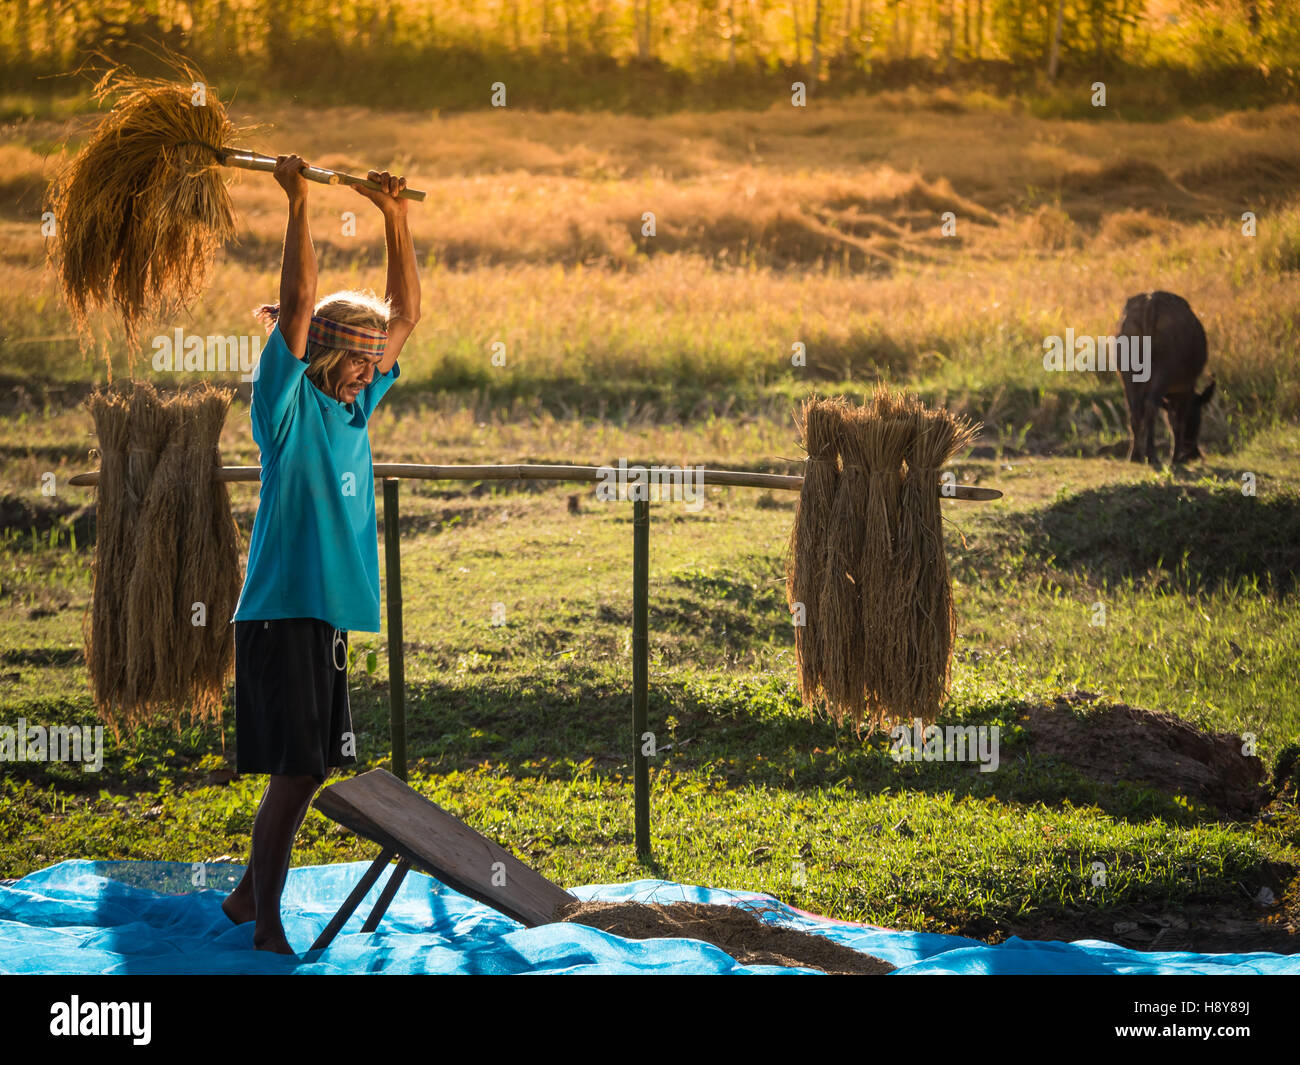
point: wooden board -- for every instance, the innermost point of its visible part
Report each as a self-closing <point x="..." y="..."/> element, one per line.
<point x="382" y="808"/>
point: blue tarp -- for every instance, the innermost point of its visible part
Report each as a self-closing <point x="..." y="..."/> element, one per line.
<point x="150" y="917"/>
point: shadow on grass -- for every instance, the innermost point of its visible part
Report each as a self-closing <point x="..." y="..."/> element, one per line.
<point x="27" y="524"/>
<point x="572" y="722"/>
<point x="1202" y="536"/>
<point x="745" y="734"/>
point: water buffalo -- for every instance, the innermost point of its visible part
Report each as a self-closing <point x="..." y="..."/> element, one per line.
<point x="1177" y="357"/>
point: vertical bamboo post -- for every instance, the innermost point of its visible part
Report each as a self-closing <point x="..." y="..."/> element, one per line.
<point x="393" y="597"/>
<point x="640" y="671"/>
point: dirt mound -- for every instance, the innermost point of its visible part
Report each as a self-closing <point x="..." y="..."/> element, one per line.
<point x="23" y="514"/>
<point x="739" y="932"/>
<point x="1050" y="228"/>
<point x="908" y="194"/>
<point x="1126" y="184"/>
<point x="1123" y="743"/>
<point x="1123" y="227"/>
<point x="774" y="234"/>
<point x="1129" y="172"/>
<point x="1250" y="174"/>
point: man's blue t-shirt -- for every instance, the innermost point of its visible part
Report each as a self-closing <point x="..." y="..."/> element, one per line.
<point x="313" y="552"/>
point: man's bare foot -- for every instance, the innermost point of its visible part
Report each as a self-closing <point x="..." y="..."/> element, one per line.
<point x="273" y="941"/>
<point x="239" y="908"/>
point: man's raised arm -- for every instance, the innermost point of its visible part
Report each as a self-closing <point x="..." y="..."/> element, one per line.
<point x="403" y="287"/>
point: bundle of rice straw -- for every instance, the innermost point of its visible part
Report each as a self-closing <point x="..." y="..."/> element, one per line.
<point x="868" y="548"/>
<point x="165" y="541"/>
<point x="105" y="634"/>
<point x="910" y="533"/>
<point x="885" y="430"/>
<point x="838" y="610"/>
<point x="139" y="213"/>
<point x="942" y="437"/>
<point x="213" y="578"/>
<point x="155" y="435"/>
<point x="818" y="426"/>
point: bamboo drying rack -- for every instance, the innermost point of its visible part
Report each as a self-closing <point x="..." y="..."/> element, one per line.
<point x="391" y="473"/>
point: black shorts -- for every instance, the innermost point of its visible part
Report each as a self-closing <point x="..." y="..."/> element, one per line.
<point x="291" y="698"/>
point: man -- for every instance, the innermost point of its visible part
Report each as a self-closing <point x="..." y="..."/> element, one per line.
<point x="313" y="567"/>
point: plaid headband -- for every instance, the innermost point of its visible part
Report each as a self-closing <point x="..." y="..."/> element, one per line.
<point x="335" y="335"/>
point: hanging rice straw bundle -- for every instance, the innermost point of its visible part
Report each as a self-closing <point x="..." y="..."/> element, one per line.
<point x="150" y="426"/>
<point x="152" y="629"/>
<point x="105" y="646"/>
<point x="210" y="577"/>
<point x="878" y="644"/>
<point x="839" y="609"/>
<point x="140" y="212"/>
<point x="909" y="550"/>
<point x="142" y="207"/>
<point x="166" y="541"/>
<point x="885" y="437"/>
<point x="818" y="424"/>
<point x="147" y="433"/>
<point x="944" y="436"/>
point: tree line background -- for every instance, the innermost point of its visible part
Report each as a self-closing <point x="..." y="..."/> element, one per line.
<point x="656" y="54"/>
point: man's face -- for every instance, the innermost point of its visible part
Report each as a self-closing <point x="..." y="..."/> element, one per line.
<point x="355" y="372"/>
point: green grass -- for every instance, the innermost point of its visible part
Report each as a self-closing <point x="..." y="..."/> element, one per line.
<point x="522" y="727"/>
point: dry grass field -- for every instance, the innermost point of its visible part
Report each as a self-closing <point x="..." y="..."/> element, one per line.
<point x="820" y="225"/>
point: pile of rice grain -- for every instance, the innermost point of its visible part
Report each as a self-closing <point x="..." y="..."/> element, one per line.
<point x="737" y="931"/>
<point x="867" y="560"/>
<point x="166" y="571"/>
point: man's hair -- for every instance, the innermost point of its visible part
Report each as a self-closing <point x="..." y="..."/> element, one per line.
<point x="347" y="307"/>
<point x="359" y="307"/>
